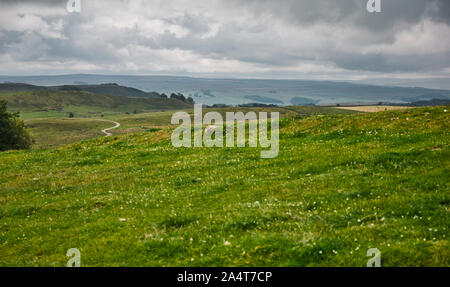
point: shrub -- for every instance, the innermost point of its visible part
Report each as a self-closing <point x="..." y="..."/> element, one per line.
<point x="13" y="134"/>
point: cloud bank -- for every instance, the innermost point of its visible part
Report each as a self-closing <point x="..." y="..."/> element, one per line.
<point x="323" y="39"/>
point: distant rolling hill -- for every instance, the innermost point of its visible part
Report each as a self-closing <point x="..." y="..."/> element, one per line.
<point x="83" y="103"/>
<point x="20" y="87"/>
<point x="241" y="91"/>
<point x="110" y="89"/>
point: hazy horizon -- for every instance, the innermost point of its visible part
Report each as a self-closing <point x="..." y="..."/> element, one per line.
<point x="240" y="91"/>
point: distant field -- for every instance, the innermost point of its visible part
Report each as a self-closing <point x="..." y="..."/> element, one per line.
<point x="342" y="183"/>
<point x="42" y="104"/>
<point x="55" y="132"/>
<point x="373" y="109"/>
<point x="314" y="110"/>
<point x="57" y="129"/>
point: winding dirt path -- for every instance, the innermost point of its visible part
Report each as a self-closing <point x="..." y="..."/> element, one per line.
<point x="105" y="131"/>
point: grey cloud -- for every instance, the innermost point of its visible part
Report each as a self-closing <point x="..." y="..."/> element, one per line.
<point x="308" y="12"/>
<point x="440" y="10"/>
<point x="251" y="33"/>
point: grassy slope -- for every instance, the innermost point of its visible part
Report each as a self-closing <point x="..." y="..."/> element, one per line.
<point x="102" y="89"/>
<point x="56" y="131"/>
<point x="34" y="104"/>
<point x="340" y="185"/>
<point x="312" y="110"/>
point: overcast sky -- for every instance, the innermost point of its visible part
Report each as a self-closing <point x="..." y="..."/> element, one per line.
<point x="303" y="39"/>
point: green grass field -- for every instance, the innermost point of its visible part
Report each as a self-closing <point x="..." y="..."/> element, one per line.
<point x="58" y="104"/>
<point x="342" y="183"/>
<point x="55" y="132"/>
<point x="51" y="130"/>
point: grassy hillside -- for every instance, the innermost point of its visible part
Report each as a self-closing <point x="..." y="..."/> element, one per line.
<point x="57" y="129"/>
<point x="312" y="110"/>
<point x="116" y="90"/>
<point x="59" y="103"/>
<point x="20" y="87"/>
<point x="55" y="132"/>
<point x="341" y="184"/>
<point x="110" y="89"/>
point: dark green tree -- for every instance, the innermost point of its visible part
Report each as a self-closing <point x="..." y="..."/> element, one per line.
<point x="13" y="134"/>
<point x="178" y="96"/>
<point x="190" y="100"/>
<point x="71" y="115"/>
